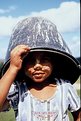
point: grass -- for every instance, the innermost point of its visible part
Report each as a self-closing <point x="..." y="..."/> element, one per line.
<point x="7" y="116"/>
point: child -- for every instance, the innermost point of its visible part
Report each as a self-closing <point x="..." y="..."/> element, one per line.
<point x="38" y="74"/>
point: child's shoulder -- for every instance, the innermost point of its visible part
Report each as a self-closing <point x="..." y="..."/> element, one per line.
<point x="64" y="83"/>
<point x="66" y="86"/>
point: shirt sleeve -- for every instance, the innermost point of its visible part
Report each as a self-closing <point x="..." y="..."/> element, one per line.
<point x="73" y="99"/>
<point x="12" y="99"/>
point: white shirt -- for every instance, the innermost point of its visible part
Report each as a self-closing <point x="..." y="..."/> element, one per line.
<point x="54" y="109"/>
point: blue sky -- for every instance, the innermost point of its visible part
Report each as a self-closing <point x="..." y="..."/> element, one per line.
<point x="64" y="13"/>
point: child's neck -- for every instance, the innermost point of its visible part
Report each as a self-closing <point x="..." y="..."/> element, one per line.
<point x="40" y="85"/>
<point x="43" y="90"/>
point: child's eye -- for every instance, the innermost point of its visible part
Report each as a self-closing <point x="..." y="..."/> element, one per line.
<point x="31" y="61"/>
<point x="45" y="59"/>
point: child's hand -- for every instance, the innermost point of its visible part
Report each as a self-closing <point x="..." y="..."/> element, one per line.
<point x="17" y="55"/>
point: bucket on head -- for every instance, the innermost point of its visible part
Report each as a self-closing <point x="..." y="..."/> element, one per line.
<point x="41" y="34"/>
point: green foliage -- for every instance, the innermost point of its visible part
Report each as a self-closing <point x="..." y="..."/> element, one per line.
<point x="7" y="116"/>
<point x="1" y="64"/>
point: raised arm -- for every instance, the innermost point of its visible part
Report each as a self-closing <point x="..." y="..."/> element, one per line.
<point x="8" y="78"/>
<point x="77" y="115"/>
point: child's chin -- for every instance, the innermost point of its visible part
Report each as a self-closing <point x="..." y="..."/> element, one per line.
<point x="38" y="80"/>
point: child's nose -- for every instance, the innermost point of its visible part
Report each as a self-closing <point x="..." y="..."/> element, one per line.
<point x="37" y="65"/>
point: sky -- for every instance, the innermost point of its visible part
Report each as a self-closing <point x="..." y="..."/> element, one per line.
<point x="65" y="14"/>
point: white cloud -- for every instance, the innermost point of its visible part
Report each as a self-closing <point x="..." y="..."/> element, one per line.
<point x="74" y="45"/>
<point x="3" y="11"/>
<point x="66" y="17"/>
<point x="3" y="53"/>
<point x="7" y="24"/>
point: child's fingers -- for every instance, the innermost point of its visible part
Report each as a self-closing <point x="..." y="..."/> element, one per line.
<point x="20" y="50"/>
<point x="17" y="55"/>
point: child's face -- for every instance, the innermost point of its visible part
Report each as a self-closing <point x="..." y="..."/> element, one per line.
<point x="38" y="67"/>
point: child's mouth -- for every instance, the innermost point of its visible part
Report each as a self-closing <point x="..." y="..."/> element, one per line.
<point x="38" y="74"/>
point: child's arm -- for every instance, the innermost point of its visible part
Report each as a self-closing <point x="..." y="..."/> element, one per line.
<point x="74" y="102"/>
<point x="6" y="81"/>
<point x="77" y="115"/>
